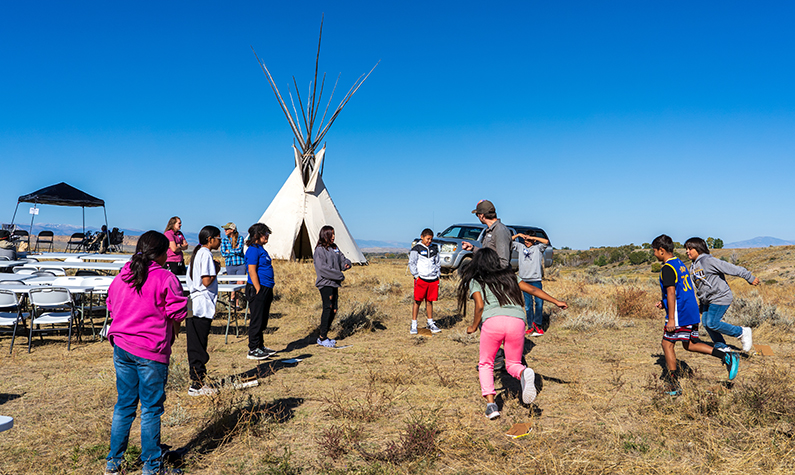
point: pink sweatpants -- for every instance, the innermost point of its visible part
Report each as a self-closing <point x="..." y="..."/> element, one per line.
<point x="494" y="332"/>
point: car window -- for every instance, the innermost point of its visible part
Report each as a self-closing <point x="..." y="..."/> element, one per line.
<point x="471" y="234"/>
<point x="451" y="232"/>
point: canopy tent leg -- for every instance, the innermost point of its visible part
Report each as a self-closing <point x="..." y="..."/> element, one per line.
<point x="15" y="214"/>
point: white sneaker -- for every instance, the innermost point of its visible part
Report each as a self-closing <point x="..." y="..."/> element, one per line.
<point x="528" y="379"/>
<point x="433" y="328"/>
<point x="747" y="339"/>
<point x="413" y="330"/>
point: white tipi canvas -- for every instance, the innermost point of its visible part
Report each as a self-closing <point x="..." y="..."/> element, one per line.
<point x="297" y="213"/>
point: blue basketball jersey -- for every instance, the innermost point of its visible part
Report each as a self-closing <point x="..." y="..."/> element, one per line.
<point x="686" y="312"/>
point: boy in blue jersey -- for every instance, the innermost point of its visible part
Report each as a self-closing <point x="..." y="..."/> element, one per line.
<point x="681" y="314"/>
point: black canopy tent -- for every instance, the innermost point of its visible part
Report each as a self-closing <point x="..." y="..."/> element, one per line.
<point x="61" y="194"/>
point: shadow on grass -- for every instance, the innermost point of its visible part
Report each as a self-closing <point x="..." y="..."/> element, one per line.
<point x="231" y="421"/>
<point x="5" y="397"/>
<point x="448" y="321"/>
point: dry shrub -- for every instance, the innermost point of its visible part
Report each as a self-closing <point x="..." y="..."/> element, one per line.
<point x="752" y="311"/>
<point x="767" y="396"/>
<point x="385" y="288"/>
<point x="363" y="317"/>
<point x="367" y="406"/>
<point x="632" y="302"/>
<point x="418" y="440"/>
<point x="594" y="320"/>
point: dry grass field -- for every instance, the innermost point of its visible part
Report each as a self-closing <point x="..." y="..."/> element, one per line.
<point x="395" y="403"/>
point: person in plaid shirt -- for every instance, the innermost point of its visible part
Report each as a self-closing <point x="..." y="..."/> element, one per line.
<point x="232" y="252"/>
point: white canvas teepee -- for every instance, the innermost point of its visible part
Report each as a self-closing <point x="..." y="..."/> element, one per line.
<point x="298" y="212"/>
<point x="303" y="205"/>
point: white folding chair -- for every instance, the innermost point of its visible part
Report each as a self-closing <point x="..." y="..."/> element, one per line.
<point x="23" y="269"/>
<point x="51" y="306"/>
<point x="11" y="313"/>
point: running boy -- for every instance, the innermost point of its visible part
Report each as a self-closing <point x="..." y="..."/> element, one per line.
<point x="714" y="294"/>
<point x="531" y="270"/>
<point x="426" y="267"/>
<point x="681" y="314"/>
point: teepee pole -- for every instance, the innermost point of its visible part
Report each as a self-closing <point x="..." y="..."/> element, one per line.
<point x="282" y="104"/>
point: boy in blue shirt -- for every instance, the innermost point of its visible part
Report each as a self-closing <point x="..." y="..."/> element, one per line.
<point x="681" y="314"/>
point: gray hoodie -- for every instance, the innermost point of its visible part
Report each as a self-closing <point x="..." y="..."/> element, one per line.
<point x="329" y="264"/>
<point x="531" y="260"/>
<point x="708" y="276"/>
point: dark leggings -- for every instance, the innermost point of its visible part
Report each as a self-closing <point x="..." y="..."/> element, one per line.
<point x="328" y="296"/>
<point x="197" y="330"/>
<point x="259" y="304"/>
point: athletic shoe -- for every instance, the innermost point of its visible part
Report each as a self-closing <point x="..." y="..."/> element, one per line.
<point x="528" y="378"/>
<point x="732" y="362"/>
<point x="432" y="327"/>
<point x="258" y="354"/>
<point x="328" y="342"/>
<point x="196" y="390"/>
<point x="269" y="351"/>
<point x="413" y="330"/>
<point x="536" y="330"/>
<point x="113" y="471"/>
<point x="725" y="349"/>
<point x="747" y="339"/>
<point x="492" y="411"/>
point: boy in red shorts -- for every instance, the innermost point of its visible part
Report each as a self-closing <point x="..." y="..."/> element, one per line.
<point x="681" y="314"/>
<point x="426" y="267"/>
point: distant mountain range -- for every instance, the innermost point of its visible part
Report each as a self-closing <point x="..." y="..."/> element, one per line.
<point x="383" y="246"/>
<point x="761" y="241"/>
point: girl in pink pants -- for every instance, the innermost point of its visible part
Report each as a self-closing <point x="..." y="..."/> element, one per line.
<point x="499" y="305"/>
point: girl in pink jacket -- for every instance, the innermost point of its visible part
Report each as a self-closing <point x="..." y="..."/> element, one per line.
<point x="147" y="305"/>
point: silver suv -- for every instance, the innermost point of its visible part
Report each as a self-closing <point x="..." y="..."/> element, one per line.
<point x="452" y="256"/>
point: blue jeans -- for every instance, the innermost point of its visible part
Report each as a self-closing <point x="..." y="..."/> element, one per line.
<point x="712" y="316"/>
<point x="534" y="315"/>
<point x="137" y="379"/>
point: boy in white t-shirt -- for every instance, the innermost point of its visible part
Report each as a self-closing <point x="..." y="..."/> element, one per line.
<point x="203" y="287"/>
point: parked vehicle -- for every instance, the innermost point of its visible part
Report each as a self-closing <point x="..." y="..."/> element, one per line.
<point x="453" y="256"/>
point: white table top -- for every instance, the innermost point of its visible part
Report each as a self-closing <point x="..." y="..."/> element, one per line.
<point x="105" y="266"/>
<point x="221" y="278"/>
<point x="16" y="277"/>
<point x="106" y="257"/>
<point x="23" y="289"/>
<point x="221" y="287"/>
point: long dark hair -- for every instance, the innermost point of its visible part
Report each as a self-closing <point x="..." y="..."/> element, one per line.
<point x="486" y="269"/>
<point x="151" y="245"/>
<point x="256" y="231"/>
<point x="205" y="235"/>
<point x="698" y="244"/>
<point x="325" y="237"/>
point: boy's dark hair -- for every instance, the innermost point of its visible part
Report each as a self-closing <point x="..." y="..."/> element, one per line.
<point x="324" y="238"/>
<point x="151" y="245"/>
<point x="205" y="234"/>
<point x="485" y="268"/>
<point x="256" y="231"/>
<point x="426" y="232"/>
<point x="698" y="244"/>
<point x="664" y="242"/>
<point x="490" y="215"/>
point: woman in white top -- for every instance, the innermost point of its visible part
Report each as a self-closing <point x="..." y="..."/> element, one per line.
<point x="203" y="287"/>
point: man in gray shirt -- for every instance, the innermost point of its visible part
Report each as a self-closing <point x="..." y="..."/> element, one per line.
<point x="496" y="236"/>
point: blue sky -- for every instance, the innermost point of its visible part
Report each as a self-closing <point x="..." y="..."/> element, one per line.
<point x="602" y="122"/>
